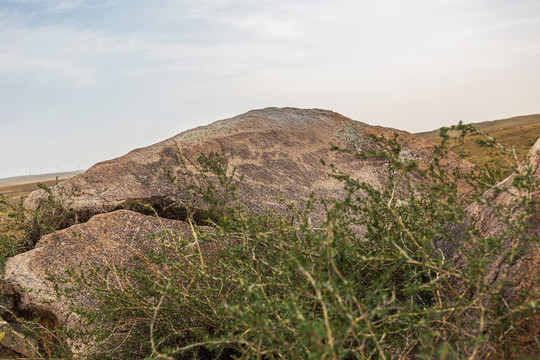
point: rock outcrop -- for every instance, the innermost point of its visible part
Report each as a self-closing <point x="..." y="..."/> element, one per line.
<point x="278" y="152"/>
<point x="525" y="271"/>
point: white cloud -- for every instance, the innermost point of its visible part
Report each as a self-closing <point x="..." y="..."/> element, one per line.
<point x="42" y="70"/>
<point x="268" y="27"/>
<point x="64" y="6"/>
<point x="64" y="53"/>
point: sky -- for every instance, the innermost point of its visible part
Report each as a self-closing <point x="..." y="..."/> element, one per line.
<point x="82" y="81"/>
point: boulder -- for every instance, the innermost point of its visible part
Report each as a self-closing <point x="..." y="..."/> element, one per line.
<point x="525" y="271"/>
<point x="114" y="239"/>
<point x="277" y="152"/>
<point x="14" y="344"/>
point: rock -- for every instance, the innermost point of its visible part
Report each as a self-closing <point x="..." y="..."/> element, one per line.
<point x="14" y="344"/>
<point x="276" y="151"/>
<point x="115" y="238"/>
<point x="485" y="217"/>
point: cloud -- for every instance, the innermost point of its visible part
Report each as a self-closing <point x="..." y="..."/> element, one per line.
<point x="35" y="9"/>
<point x="42" y="70"/>
<point x="65" y="53"/>
<point x="52" y="6"/>
<point x="268" y="27"/>
<point x="64" y="6"/>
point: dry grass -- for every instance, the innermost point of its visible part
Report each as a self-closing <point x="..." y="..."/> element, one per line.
<point x="15" y="192"/>
<point x="16" y="187"/>
<point x="518" y="133"/>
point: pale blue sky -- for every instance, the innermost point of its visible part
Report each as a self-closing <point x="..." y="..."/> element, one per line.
<point x="83" y="81"/>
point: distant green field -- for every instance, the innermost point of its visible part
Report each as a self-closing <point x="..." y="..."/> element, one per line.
<point x="519" y="133"/>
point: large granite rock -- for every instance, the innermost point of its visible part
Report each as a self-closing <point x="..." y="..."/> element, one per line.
<point x="502" y="205"/>
<point x="117" y="239"/>
<point x="277" y="151"/>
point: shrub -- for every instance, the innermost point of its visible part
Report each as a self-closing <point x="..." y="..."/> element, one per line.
<point x="21" y="228"/>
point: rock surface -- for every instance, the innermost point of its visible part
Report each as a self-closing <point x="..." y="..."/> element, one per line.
<point x="526" y="271"/>
<point x="112" y="239"/>
<point x="277" y="151"/>
<point x="504" y="200"/>
<point x="14" y="344"/>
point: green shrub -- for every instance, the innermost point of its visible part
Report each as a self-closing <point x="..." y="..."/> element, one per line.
<point x="21" y="228"/>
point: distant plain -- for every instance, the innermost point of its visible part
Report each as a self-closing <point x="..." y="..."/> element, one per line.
<point x="16" y="187"/>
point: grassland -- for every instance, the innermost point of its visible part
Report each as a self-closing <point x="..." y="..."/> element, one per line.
<point x="16" y="187"/>
<point x="517" y="133"/>
<point x="15" y="192"/>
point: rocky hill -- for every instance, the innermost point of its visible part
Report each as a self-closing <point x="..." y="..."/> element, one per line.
<point x="278" y="153"/>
